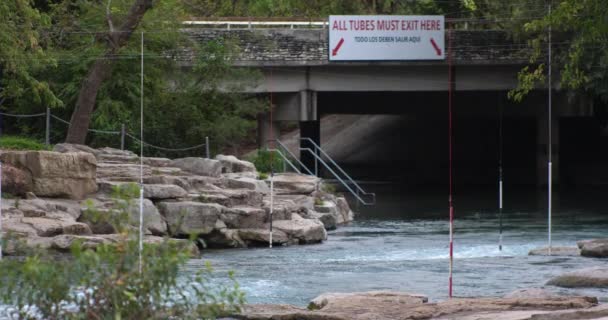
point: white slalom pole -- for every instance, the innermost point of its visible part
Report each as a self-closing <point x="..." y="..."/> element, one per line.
<point x="550" y="155"/>
<point x="0" y="210"/>
<point x="141" y="159"/>
<point x="500" y="179"/>
<point x="271" y="208"/>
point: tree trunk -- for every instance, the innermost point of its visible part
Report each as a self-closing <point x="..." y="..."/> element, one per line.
<point x="101" y="70"/>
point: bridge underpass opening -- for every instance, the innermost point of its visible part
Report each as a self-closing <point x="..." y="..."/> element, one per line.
<point x="403" y="137"/>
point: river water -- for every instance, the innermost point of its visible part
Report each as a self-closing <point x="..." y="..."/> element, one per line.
<point x="402" y="244"/>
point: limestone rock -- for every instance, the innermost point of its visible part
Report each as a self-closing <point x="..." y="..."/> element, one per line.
<point x="117" y="158"/>
<point x="116" y="152"/>
<point x="16" y="181"/>
<point x="345" y="214"/>
<point x="69" y="175"/>
<point x="224" y="238"/>
<point x="260" y="237"/>
<point x="305" y="230"/>
<point x="126" y="172"/>
<point x="199" y="166"/>
<point x="156" y="162"/>
<point x="340" y="302"/>
<point x="188" y="217"/>
<point x="154" y="223"/>
<point x="232" y="164"/>
<point x="65" y="242"/>
<point x="163" y="191"/>
<point x="248" y="183"/>
<point x="69" y="148"/>
<point x="328" y="219"/>
<point x="293" y="183"/>
<point x="589" y="277"/>
<point x="597" y="248"/>
<point x="244" y="217"/>
<point x="555" y="251"/>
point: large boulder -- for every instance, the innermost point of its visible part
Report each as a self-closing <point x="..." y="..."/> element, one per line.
<point x="154" y="223"/>
<point x="589" y="277"/>
<point x="188" y="217"/>
<point x="66" y="175"/>
<point x="126" y="172"/>
<point x="232" y="164"/>
<point x="16" y="181"/>
<point x="343" y="302"/>
<point x="248" y="183"/>
<point x="555" y="251"/>
<point x="199" y="166"/>
<point x="597" y="248"/>
<point x="163" y="191"/>
<point x="261" y="237"/>
<point x="293" y="183"/>
<point x="345" y="214"/>
<point x="70" y="148"/>
<point x="304" y="230"/>
<point x="244" y="217"/>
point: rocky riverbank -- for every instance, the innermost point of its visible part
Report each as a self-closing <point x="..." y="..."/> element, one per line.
<point x="223" y="200"/>
<point x="387" y="305"/>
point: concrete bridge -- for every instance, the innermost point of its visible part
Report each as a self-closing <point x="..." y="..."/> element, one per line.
<point x="306" y="86"/>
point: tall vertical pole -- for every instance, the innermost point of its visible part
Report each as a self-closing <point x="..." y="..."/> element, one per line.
<point x="47" y="128"/>
<point x="550" y="145"/>
<point x="271" y="163"/>
<point x="451" y="182"/>
<point x="500" y="198"/>
<point x="141" y="158"/>
<point x="208" y="154"/>
<point x="1" y="210"/>
<point x="122" y="136"/>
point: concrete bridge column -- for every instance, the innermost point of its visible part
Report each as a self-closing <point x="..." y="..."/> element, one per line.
<point x="265" y="133"/>
<point x="310" y="127"/>
<point x="542" y="137"/>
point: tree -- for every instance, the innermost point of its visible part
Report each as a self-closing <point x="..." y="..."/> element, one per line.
<point x="101" y="69"/>
<point x="22" y="54"/>
<point x="580" y="36"/>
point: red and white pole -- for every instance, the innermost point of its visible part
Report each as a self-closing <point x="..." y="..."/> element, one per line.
<point x="451" y="182"/>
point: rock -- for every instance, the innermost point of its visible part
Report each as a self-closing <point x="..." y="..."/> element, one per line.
<point x="117" y="152"/>
<point x="156" y="162"/>
<point x="596" y="277"/>
<point x="340" y="302"/>
<point x="154" y="223"/>
<point x="199" y="166"/>
<point x="248" y="183"/>
<point x="33" y="213"/>
<point x="69" y="148"/>
<point x="328" y="219"/>
<point x="163" y="191"/>
<point x="260" y="237"/>
<point x="187" y="217"/>
<point x="244" y="217"/>
<point x="293" y="183"/>
<point x="224" y="238"/>
<point x="16" y="181"/>
<point x="65" y="242"/>
<point x="555" y="251"/>
<point x="402" y="306"/>
<point x="305" y="230"/>
<point x="46" y="227"/>
<point x="125" y="172"/>
<point x="69" y="175"/>
<point x="345" y="214"/>
<point x="232" y="164"/>
<point x="184" y="244"/>
<point x="530" y="293"/>
<point x="117" y="158"/>
<point x="30" y="196"/>
<point x="235" y="197"/>
<point x="597" y="248"/>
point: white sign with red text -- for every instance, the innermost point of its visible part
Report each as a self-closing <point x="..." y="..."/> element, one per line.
<point x="386" y="38"/>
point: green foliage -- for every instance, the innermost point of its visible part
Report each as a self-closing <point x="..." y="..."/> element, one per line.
<point x="21" y="143"/>
<point x="318" y="202"/>
<point x="262" y="176"/>
<point x="266" y="161"/>
<point x="579" y="36"/>
<point x="329" y="188"/>
<point x="105" y="283"/>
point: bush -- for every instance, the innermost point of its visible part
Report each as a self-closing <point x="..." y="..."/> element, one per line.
<point x="106" y="283"/>
<point x="21" y="143"/>
<point x="262" y="161"/>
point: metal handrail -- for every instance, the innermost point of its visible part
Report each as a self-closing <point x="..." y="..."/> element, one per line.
<point x="355" y="194"/>
<point x="317" y="147"/>
<point x="293" y="156"/>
